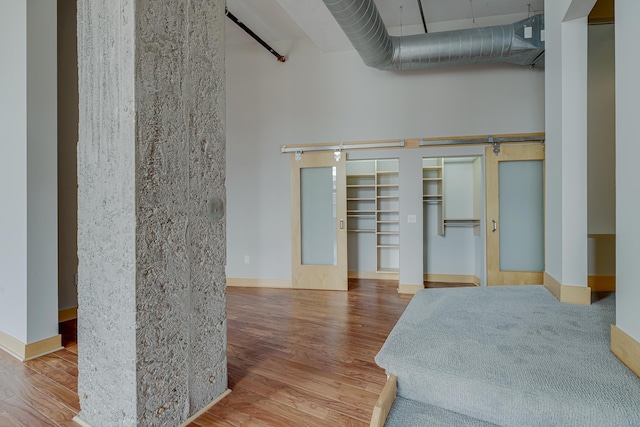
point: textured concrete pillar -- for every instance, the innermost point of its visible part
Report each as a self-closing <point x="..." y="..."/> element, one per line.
<point x="151" y="230"/>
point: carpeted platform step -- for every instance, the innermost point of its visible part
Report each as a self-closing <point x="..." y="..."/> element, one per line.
<point x="405" y="413"/>
<point x="512" y="356"/>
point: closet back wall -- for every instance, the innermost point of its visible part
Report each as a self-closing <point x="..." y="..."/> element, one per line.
<point x="332" y="97"/>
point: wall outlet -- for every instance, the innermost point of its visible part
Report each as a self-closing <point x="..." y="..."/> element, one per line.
<point x="246" y="259"/>
<point x="411" y="219"/>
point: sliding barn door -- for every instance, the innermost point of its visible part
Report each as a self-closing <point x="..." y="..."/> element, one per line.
<point x="318" y="220"/>
<point x="515" y="215"/>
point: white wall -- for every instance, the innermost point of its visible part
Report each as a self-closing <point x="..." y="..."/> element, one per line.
<point x="627" y="172"/>
<point x="480" y="212"/>
<point x="602" y="256"/>
<point x="601" y="160"/>
<point x="554" y="12"/>
<point x="411" y="235"/>
<point x="566" y="141"/>
<point x="67" y="158"/>
<point x="316" y="97"/>
<point x="42" y="170"/>
<point x="28" y="171"/>
<point x="13" y="169"/>
<point x="453" y="253"/>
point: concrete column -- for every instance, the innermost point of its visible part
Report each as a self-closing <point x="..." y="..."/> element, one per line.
<point x="151" y="230"/>
<point x="28" y="175"/>
<point x="566" y="148"/>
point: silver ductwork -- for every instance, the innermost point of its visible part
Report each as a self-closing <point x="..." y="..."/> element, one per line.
<point x="520" y="43"/>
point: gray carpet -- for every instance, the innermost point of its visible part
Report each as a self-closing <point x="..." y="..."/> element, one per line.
<point x="409" y="413"/>
<point x="512" y="356"/>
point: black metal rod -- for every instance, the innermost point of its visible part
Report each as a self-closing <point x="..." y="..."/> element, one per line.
<point x="424" y="23"/>
<point x="256" y="37"/>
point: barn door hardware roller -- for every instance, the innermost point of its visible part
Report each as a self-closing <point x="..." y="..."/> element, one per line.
<point x="496" y="145"/>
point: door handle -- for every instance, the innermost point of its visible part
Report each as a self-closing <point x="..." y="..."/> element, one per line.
<point x="342" y="224"/>
<point x="495" y="225"/>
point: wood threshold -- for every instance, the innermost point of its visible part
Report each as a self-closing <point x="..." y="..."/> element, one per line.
<point x="384" y="402"/>
<point x="81" y="422"/>
<point x="626" y="349"/>
<point x="206" y="408"/>
<point x="452" y="278"/>
<point x="580" y="295"/>
<point x="258" y="283"/>
<point x="374" y="275"/>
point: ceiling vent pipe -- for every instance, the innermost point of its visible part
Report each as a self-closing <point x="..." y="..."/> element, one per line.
<point x="521" y="43"/>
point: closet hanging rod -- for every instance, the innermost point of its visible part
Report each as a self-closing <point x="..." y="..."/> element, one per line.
<point x="461" y="224"/>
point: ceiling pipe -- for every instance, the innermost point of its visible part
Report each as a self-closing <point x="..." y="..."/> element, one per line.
<point x="256" y="37"/>
<point x="520" y="43"/>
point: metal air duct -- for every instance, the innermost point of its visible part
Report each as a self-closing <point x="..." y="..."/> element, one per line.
<point x="520" y="43"/>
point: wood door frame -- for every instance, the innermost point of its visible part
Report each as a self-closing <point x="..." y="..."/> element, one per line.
<point x="496" y="277"/>
<point x="319" y="276"/>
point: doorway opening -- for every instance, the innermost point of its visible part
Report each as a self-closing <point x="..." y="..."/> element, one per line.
<point x="453" y="201"/>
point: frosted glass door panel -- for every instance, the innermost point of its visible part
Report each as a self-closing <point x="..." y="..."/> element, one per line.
<point x="521" y="215"/>
<point x="318" y="233"/>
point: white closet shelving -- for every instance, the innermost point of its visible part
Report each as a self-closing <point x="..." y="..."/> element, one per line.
<point x="435" y="193"/>
<point x="433" y="187"/>
<point x="373" y="206"/>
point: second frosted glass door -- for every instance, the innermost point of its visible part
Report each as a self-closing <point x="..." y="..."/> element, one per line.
<point x="515" y="215"/>
<point x="318" y="222"/>
<point x="318" y="233"/>
<point x="521" y="215"/>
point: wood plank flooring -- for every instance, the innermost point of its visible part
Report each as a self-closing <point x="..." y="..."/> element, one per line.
<point x="296" y="358"/>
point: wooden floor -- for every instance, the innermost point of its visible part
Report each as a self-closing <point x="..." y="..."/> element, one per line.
<point x="296" y="358"/>
<point x="43" y="391"/>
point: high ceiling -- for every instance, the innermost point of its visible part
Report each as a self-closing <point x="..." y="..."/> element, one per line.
<point x="278" y="20"/>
